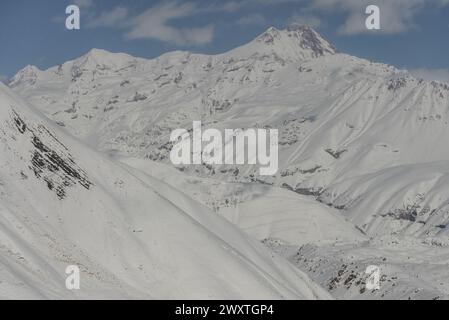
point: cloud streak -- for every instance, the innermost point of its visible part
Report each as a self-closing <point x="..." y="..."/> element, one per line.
<point x="114" y="18"/>
<point x="155" y="23"/>
<point x="162" y="21"/>
<point x="396" y="16"/>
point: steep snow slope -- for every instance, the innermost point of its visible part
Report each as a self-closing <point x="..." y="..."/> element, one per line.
<point x="408" y="199"/>
<point x="262" y="211"/>
<point x="313" y="237"/>
<point x="131" y="235"/>
<point x="340" y="118"/>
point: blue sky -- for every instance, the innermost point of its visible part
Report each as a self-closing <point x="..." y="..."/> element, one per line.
<point x="414" y="33"/>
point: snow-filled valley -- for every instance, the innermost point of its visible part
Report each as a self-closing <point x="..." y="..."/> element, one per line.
<point x="363" y="179"/>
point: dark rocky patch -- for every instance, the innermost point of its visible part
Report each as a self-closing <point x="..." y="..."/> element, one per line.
<point x="50" y="160"/>
<point x="20" y="124"/>
<point x="303" y="191"/>
<point x="336" y="154"/>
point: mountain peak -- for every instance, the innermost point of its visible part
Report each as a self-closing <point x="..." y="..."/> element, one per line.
<point x="296" y="42"/>
<point x="101" y="60"/>
<point x="299" y="27"/>
<point x="310" y="39"/>
<point x="304" y="36"/>
<point x="29" y="70"/>
<point x="98" y="54"/>
<point x="27" y="75"/>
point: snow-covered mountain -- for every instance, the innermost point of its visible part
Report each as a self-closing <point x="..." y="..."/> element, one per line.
<point x="362" y="150"/>
<point x="132" y="235"/>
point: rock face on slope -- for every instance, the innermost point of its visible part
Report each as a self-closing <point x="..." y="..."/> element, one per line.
<point x="50" y="160"/>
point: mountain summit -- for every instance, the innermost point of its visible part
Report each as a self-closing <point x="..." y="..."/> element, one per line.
<point x="27" y="75"/>
<point x="296" y="42"/>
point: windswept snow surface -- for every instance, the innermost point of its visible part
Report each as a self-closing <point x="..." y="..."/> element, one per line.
<point x="133" y="236"/>
<point x="363" y="157"/>
<point x="262" y="211"/>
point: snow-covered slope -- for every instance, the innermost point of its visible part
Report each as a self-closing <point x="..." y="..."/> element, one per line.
<point x="260" y="210"/>
<point x="361" y="143"/>
<point x="132" y="236"/>
<point x="409" y="268"/>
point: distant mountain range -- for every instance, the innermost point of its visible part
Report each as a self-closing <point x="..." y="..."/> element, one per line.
<point x="363" y="172"/>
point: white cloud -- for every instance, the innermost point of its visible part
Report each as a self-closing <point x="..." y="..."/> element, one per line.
<point x="114" y="18"/>
<point x="157" y="22"/>
<point x="431" y="74"/>
<point x="252" y="20"/>
<point x="309" y="20"/>
<point x="396" y="16"/>
<point x="154" y="24"/>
